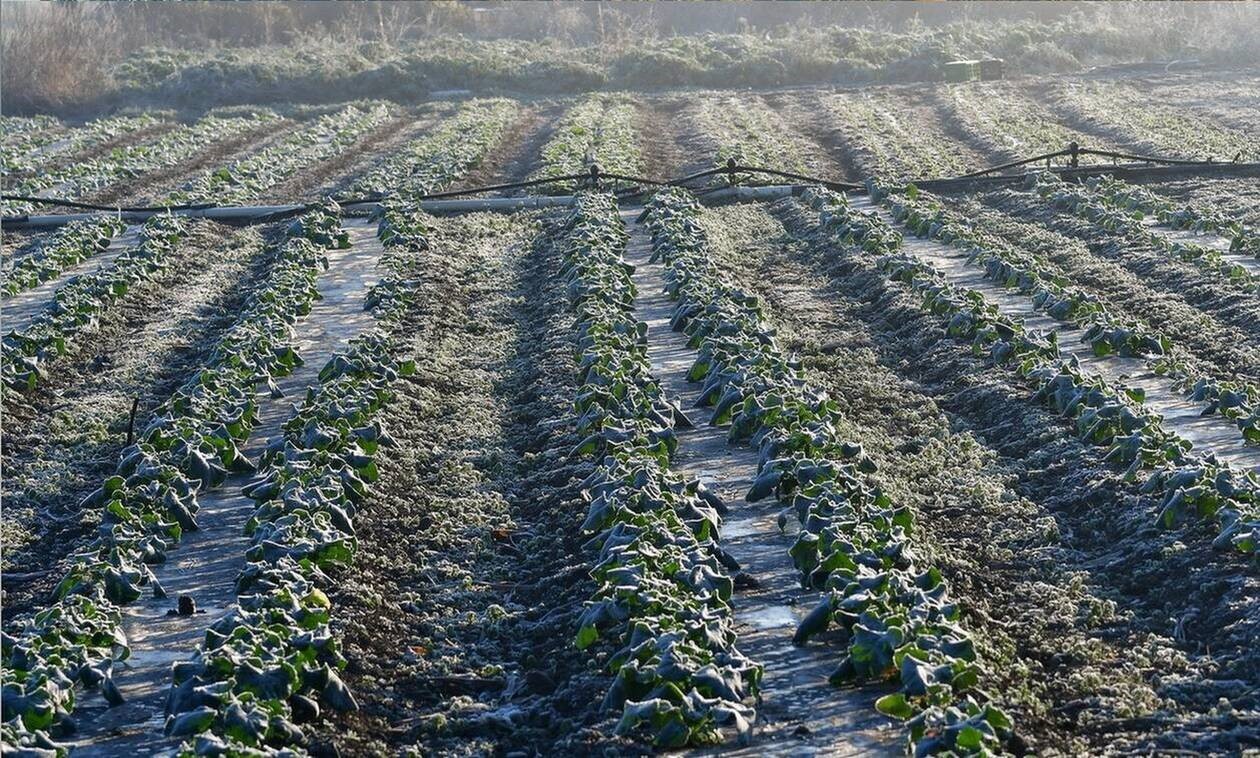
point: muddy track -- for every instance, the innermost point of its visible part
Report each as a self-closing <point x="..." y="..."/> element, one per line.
<point x="1124" y="293"/>
<point x="803" y="111"/>
<point x="458" y="618"/>
<point x="206" y="562"/>
<point x="1074" y="593"/>
<point x="64" y="438"/>
<point x="519" y="151"/>
<point x="1205" y="291"/>
<point x="663" y="155"/>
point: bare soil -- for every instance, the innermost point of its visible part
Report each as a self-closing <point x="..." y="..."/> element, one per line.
<point x="458" y="617"/>
<point x="517" y="154"/>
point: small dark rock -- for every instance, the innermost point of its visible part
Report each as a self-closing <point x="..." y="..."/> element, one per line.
<point x="324" y="750"/>
<point x="801" y="731"/>
<point x="745" y="581"/>
<point x="912" y="447"/>
<point x="187" y="606"/>
<point x="540" y="682"/>
<point x="1018" y="745"/>
<point x="305" y="710"/>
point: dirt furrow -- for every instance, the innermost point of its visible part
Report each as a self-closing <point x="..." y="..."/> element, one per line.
<point x="459" y="616"/>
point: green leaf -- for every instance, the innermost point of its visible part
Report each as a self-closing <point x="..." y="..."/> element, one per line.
<point x="586" y="636"/>
<point x="895" y="705"/>
<point x="970" y="738"/>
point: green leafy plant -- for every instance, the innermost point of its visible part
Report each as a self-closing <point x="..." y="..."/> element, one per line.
<point x="1083" y="201"/>
<point x="663" y="594"/>
<point x="433" y="162"/>
<point x="1104" y="414"/>
<point x="73" y="243"/>
<point x="170" y="149"/>
<point x="150" y="501"/>
<point x="598" y="130"/>
<point x="241" y="180"/>
<point x="274" y="662"/>
<point x="78" y="305"/>
<point x="894" y="615"/>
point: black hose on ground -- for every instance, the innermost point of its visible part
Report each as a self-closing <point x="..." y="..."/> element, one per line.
<point x="594" y="177"/>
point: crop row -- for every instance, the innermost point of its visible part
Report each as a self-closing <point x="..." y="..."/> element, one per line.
<point x="16" y="128"/>
<point x="434" y="161"/>
<point x="250" y="176"/>
<point x="749" y="133"/>
<point x="1104" y="414"/>
<point x="1141" y="202"/>
<point x="893" y="144"/>
<point x="28" y="150"/>
<point x="170" y="149"/>
<point x="1008" y="121"/>
<point x="151" y="500"/>
<point x="893" y="610"/>
<point x="599" y="130"/>
<point x="1082" y="201"/>
<point x="1129" y="113"/>
<point x="663" y="593"/>
<point x="73" y="243"/>
<point x="79" y="304"/>
<point x="274" y="661"/>
<point x="925" y="216"/>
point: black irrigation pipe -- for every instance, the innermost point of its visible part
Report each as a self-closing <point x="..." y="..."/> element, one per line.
<point x="131" y="422"/>
<point x="1073" y="152"/>
<point x="1012" y="164"/>
<point x="109" y="208"/>
<point x="732" y="170"/>
<point x="1158" y="160"/>
<point x="1123" y="171"/>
